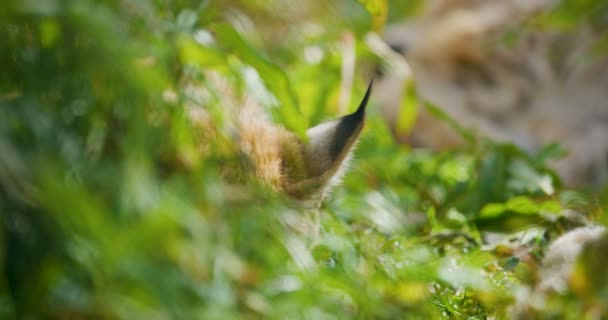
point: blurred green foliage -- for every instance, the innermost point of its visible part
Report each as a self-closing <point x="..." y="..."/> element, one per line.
<point x="113" y="205"/>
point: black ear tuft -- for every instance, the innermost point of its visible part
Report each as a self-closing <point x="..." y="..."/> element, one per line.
<point x="361" y="108"/>
<point x="330" y="143"/>
<point x="349" y="127"/>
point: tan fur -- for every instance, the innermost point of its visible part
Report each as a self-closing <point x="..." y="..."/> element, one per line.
<point x="283" y="162"/>
<point x="262" y="143"/>
<point x="304" y="171"/>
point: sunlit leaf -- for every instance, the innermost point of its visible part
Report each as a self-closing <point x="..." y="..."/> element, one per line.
<point x="408" y="110"/>
<point x="274" y="78"/>
<point x="379" y="11"/>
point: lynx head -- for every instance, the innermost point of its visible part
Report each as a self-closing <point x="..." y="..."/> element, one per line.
<point x="303" y="170"/>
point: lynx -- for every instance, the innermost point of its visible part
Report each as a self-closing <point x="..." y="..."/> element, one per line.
<point x="302" y="169"/>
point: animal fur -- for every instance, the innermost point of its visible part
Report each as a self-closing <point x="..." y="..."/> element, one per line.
<point x="304" y="171"/>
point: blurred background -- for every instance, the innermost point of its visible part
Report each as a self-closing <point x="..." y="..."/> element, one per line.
<point x="487" y="137"/>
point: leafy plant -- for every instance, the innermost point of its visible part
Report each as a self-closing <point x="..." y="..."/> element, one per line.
<point x="116" y="124"/>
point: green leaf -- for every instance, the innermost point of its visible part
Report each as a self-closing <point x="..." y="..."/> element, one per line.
<point x="492" y="210"/>
<point x="408" y="110"/>
<point x="50" y="31"/>
<point x="550" y="151"/>
<point x="379" y="11"/>
<point x="191" y="52"/>
<point x="522" y="205"/>
<point x="274" y="77"/>
<point x="441" y="115"/>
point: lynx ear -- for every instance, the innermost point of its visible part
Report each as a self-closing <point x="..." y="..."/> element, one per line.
<point x="330" y="143"/>
<point x="328" y="149"/>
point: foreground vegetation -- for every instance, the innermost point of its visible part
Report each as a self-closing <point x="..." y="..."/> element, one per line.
<point x="113" y="203"/>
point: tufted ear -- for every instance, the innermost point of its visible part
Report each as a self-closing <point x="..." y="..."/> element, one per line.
<point x="330" y="143"/>
<point x="317" y="165"/>
<point x="305" y="171"/>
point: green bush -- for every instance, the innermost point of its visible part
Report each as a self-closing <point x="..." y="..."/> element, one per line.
<point x="113" y="201"/>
